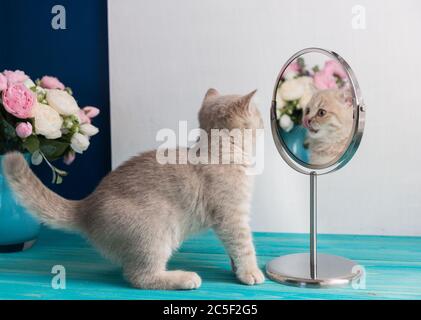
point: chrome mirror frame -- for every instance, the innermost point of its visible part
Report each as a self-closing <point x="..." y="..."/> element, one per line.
<point x="357" y="130"/>
<point x="314" y="269"/>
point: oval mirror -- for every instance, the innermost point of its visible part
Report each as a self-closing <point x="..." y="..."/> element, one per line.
<point x="317" y="112"/>
<point x="317" y="118"/>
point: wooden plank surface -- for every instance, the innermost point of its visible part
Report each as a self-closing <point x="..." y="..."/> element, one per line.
<point x="393" y="268"/>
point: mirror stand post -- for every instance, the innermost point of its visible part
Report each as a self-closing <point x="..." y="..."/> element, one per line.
<point x="313" y="269"/>
<point x="313" y="225"/>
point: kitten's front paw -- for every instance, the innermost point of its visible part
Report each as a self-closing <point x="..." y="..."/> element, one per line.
<point x="191" y="281"/>
<point x="183" y="280"/>
<point x="250" y="276"/>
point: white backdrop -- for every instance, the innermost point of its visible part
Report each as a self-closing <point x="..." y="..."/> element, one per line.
<point x="165" y="54"/>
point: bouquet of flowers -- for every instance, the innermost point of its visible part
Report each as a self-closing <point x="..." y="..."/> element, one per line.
<point x="297" y="86"/>
<point x="44" y="119"/>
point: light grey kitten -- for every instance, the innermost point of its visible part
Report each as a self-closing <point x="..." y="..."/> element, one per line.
<point x="141" y="212"/>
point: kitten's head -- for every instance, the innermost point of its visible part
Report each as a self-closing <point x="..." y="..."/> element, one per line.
<point x="229" y="112"/>
<point x="328" y="111"/>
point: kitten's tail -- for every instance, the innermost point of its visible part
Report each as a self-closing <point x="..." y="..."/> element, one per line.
<point x="37" y="198"/>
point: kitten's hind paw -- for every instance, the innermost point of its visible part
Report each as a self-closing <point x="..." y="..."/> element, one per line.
<point x="250" y="276"/>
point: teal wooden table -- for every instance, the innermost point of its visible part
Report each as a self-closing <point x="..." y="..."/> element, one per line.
<point x="392" y="264"/>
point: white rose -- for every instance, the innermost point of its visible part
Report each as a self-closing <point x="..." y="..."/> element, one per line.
<point x="291" y="89"/>
<point x="62" y="102"/>
<point x="29" y="83"/>
<point x="40" y="90"/>
<point x="79" y="142"/>
<point x="309" y="90"/>
<point x="286" y="123"/>
<point x="280" y="103"/>
<point x="305" y="80"/>
<point x="305" y="99"/>
<point x="47" y="121"/>
<point x="290" y="75"/>
<point x="88" y="129"/>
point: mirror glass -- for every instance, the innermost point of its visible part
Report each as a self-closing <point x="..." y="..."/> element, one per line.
<point x="314" y="109"/>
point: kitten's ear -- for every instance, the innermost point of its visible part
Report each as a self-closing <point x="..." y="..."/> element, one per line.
<point x="211" y="93"/>
<point x="244" y="101"/>
<point x="345" y="95"/>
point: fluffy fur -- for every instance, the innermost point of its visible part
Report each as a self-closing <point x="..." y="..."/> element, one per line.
<point x="142" y="211"/>
<point x="328" y="117"/>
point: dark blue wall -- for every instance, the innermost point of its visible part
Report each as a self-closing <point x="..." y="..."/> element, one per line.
<point x="78" y="56"/>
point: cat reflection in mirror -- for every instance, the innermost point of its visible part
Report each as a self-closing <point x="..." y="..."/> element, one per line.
<point x="141" y="212"/>
<point x="328" y="118"/>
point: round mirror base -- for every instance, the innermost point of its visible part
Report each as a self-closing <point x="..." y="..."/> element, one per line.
<point x="294" y="269"/>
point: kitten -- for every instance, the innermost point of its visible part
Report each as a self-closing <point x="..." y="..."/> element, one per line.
<point x="142" y="211"/>
<point x="329" y="118"/>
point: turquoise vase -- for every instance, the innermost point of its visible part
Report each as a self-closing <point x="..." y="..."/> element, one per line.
<point x="294" y="140"/>
<point x="18" y="229"/>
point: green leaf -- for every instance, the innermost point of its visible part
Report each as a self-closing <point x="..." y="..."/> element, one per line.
<point x="31" y="143"/>
<point x="59" y="180"/>
<point x="61" y="172"/>
<point x="8" y="138"/>
<point x="69" y="90"/>
<point x="301" y="63"/>
<point x="54" y="177"/>
<point x="8" y="129"/>
<point x="53" y="149"/>
<point x="36" y="158"/>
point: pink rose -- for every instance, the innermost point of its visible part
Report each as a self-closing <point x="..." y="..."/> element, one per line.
<point x="24" y="129"/>
<point x="69" y="157"/>
<point x="293" y="67"/>
<point x="83" y="117"/>
<point x="3" y="82"/>
<point x="333" y="67"/>
<point x="323" y="80"/>
<point x="91" y="112"/>
<point x="18" y="100"/>
<point x="15" y="76"/>
<point x="87" y="113"/>
<point x="48" y="82"/>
